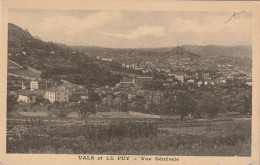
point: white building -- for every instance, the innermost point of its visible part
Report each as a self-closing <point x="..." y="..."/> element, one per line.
<point x="127" y="81"/>
<point x="24" y="99"/>
<point x="26" y="96"/>
<point x="34" y="85"/>
<point x="57" y="94"/>
<point x="249" y="83"/>
<point x="222" y="81"/>
<point x="179" y="77"/>
<point x="212" y="82"/>
<point x="200" y="83"/>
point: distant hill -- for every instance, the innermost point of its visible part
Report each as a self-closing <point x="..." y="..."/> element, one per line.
<point x="58" y="60"/>
<point x="79" y="65"/>
<point x="131" y="52"/>
<point x="210" y="50"/>
<point x="215" y="50"/>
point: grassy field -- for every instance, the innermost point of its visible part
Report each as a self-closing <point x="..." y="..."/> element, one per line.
<point x="131" y="137"/>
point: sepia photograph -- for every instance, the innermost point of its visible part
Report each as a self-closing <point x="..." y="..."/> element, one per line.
<point x="129" y="82"/>
<point x="167" y="83"/>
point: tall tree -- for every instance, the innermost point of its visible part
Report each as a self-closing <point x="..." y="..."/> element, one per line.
<point x="11" y="102"/>
<point x="185" y="104"/>
<point x="85" y="109"/>
<point x="248" y="104"/>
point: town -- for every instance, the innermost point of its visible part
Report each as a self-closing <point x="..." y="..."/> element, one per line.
<point x="179" y="100"/>
<point x="144" y="85"/>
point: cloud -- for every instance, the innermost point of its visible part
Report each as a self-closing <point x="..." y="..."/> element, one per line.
<point x="211" y="25"/>
<point x="146" y="29"/>
<point x="142" y="31"/>
<point x="74" y="25"/>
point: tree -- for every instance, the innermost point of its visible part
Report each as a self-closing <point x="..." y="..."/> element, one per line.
<point x="58" y="109"/>
<point x="153" y="85"/>
<point x="210" y="105"/>
<point x="61" y="110"/>
<point x="138" y="107"/>
<point x="181" y="103"/>
<point x="185" y="105"/>
<point x="94" y="97"/>
<point x="85" y="109"/>
<point x="40" y="99"/>
<point x="168" y="105"/>
<point x="55" y="78"/>
<point x="125" y="106"/>
<point x="248" y="104"/>
<point x="11" y="102"/>
<point x="49" y="107"/>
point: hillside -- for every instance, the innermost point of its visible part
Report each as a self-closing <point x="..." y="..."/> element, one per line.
<point x="56" y="60"/>
<point x="210" y="50"/>
<point x="215" y="50"/>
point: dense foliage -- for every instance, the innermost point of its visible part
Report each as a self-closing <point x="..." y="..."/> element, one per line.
<point x="130" y="138"/>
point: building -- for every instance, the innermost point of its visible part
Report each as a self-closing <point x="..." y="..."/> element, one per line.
<point x="34" y="85"/>
<point x="107" y="99"/>
<point x="179" y="77"/>
<point x="249" y="83"/>
<point x="127" y="81"/>
<point x="206" y="77"/>
<point x="84" y="98"/>
<point x="222" y="81"/>
<point x="211" y="82"/>
<point x="26" y="96"/>
<point x="131" y="96"/>
<point x="141" y="79"/>
<point x="169" y="79"/>
<point x="191" y="81"/>
<point x="200" y="83"/>
<point x="155" y="98"/>
<point x="166" y="70"/>
<point x="22" y="98"/>
<point x="57" y="94"/>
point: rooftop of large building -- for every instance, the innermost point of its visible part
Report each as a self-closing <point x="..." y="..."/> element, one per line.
<point x="26" y="92"/>
<point x="56" y="89"/>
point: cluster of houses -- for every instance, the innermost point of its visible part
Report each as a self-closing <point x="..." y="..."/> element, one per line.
<point x="180" y="77"/>
<point x="29" y="93"/>
<point x="128" y="88"/>
<point x="119" y="95"/>
<point x="136" y="66"/>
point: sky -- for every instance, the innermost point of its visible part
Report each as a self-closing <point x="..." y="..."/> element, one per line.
<point x="135" y="29"/>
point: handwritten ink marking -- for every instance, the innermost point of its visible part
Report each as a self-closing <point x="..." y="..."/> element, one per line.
<point x="235" y="15"/>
